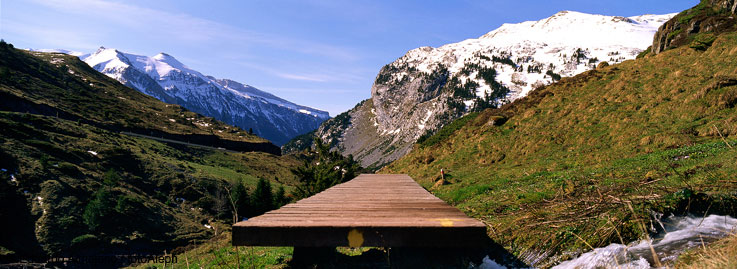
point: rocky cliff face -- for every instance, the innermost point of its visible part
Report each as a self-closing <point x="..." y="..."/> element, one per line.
<point x="427" y="88"/>
<point x="697" y="26"/>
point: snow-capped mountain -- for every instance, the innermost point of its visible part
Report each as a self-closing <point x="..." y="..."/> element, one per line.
<point x="165" y="78"/>
<point x="81" y="55"/>
<point x="567" y="43"/>
<point x="429" y="87"/>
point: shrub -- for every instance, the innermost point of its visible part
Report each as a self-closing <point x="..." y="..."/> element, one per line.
<point x="702" y="41"/>
<point x="98" y="209"/>
<point x="645" y="52"/>
<point x="84" y="240"/>
<point x="553" y="75"/>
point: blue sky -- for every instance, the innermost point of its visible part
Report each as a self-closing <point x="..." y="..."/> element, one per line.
<point x="320" y="53"/>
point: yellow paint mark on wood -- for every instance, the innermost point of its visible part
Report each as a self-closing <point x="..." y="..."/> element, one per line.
<point x="447" y="222"/>
<point x="355" y="238"/>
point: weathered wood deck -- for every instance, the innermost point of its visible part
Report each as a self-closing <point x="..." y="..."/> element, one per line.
<point x="370" y="210"/>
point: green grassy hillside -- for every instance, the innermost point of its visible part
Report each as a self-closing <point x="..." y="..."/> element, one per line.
<point x="63" y="86"/>
<point x="72" y="184"/>
<point x="558" y="169"/>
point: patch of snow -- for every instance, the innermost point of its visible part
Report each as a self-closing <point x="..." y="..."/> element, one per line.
<point x="421" y="126"/>
<point x="548" y="45"/>
<point x="69" y="52"/>
<point x="490" y="264"/>
<point x="172" y="120"/>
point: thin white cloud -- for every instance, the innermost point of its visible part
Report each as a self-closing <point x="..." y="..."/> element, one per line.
<point x="310" y="77"/>
<point x="61" y="38"/>
<point x="190" y="29"/>
<point x="322" y="74"/>
<point x="314" y="90"/>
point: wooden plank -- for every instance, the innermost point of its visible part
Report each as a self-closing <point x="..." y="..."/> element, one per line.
<point x="370" y="210"/>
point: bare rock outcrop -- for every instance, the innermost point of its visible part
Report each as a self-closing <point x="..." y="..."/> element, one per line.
<point x="708" y="18"/>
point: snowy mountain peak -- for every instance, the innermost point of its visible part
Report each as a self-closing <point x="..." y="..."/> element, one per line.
<point x="428" y="87"/>
<point x="524" y="54"/>
<point x="171" y="61"/>
<point x="568" y="27"/>
<point x="167" y="79"/>
<point x="69" y="52"/>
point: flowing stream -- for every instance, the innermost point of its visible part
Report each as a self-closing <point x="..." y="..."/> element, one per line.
<point x="680" y="234"/>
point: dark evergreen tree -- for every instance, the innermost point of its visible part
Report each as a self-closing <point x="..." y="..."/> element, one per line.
<point x="262" y="199"/>
<point x="280" y="198"/>
<point x="323" y="169"/>
<point x="240" y="198"/>
<point x="98" y="209"/>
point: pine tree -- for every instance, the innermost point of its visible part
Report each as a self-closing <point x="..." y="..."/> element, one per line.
<point x="241" y="201"/>
<point x="262" y="199"/>
<point x="98" y="209"/>
<point x="280" y="198"/>
<point x="323" y="170"/>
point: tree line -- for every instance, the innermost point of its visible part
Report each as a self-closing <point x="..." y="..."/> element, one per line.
<point x="263" y="199"/>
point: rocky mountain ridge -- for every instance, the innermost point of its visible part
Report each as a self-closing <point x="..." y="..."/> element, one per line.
<point x="697" y="26"/>
<point x="165" y="78"/>
<point x="427" y="88"/>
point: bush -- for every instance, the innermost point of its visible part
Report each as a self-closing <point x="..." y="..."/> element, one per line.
<point x="645" y="52"/>
<point x="82" y="240"/>
<point x="702" y="41"/>
<point x="98" y="209"/>
<point x="127" y="204"/>
<point x="553" y="75"/>
<point x="68" y="168"/>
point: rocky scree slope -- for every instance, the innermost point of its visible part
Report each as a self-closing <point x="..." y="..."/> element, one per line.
<point x="165" y="78"/>
<point x="429" y="87"/>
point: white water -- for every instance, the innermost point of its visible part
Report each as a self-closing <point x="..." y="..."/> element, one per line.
<point x="681" y="233"/>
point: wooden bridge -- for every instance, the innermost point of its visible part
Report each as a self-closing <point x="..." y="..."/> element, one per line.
<point x="370" y="210"/>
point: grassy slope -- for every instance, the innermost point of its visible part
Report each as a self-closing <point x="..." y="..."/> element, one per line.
<point x="721" y="254"/>
<point x="66" y="83"/>
<point x="164" y="193"/>
<point x="573" y="154"/>
<point x="49" y="157"/>
<point x="218" y="252"/>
